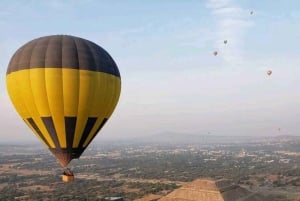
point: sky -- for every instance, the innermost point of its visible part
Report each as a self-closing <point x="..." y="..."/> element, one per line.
<point x="171" y="81"/>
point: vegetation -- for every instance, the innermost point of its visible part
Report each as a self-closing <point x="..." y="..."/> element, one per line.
<point x="133" y="171"/>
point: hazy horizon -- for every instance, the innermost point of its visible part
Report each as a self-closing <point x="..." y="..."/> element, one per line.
<point x="171" y="81"/>
<point x="162" y="137"/>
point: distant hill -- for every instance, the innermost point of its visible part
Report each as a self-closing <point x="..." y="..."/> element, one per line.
<point x="184" y="138"/>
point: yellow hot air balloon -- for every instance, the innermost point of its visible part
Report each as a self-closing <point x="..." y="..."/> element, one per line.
<point x="65" y="88"/>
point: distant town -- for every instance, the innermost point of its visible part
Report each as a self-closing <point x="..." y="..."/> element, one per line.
<point x="132" y="170"/>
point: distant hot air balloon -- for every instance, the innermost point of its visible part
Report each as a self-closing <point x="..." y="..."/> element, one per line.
<point x="269" y="72"/>
<point x="215" y="53"/>
<point x="225" y="41"/>
<point x="65" y="88"/>
<point x="251" y="12"/>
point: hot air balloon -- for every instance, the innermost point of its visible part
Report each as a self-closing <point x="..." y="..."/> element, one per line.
<point x="65" y="88"/>
<point x="269" y="72"/>
<point x="215" y="53"/>
<point x="251" y="12"/>
<point x="225" y="42"/>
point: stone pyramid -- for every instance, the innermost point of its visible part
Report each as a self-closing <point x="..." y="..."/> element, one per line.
<point x="209" y="190"/>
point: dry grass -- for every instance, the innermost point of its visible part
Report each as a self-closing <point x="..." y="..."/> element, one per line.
<point x="36" y="188"/>
<point x="150" y="197"/>
<point x="10" y="168"/>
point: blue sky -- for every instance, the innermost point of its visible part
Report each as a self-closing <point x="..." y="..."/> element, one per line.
<point x="171" y="82"/>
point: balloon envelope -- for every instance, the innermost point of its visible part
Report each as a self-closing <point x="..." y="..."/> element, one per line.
<point x="65" y="88"/>
<point x="269" y="72"/>
<point x="215" y="53"/>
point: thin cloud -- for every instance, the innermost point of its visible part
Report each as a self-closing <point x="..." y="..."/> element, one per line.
<point x="216" y="4"/>
<point x="232" y="23"/>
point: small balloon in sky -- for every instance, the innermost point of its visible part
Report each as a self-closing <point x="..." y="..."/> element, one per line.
<point x="251" y="12"/>
<point x="269" y="72"/>
<point x="225" y="41"/>
<point x="215" y="53"/>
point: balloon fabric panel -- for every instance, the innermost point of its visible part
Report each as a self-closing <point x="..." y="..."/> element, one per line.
<point x="65" y="88"/>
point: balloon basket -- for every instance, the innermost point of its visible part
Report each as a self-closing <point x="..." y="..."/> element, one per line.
<point x="68" y="176"/>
